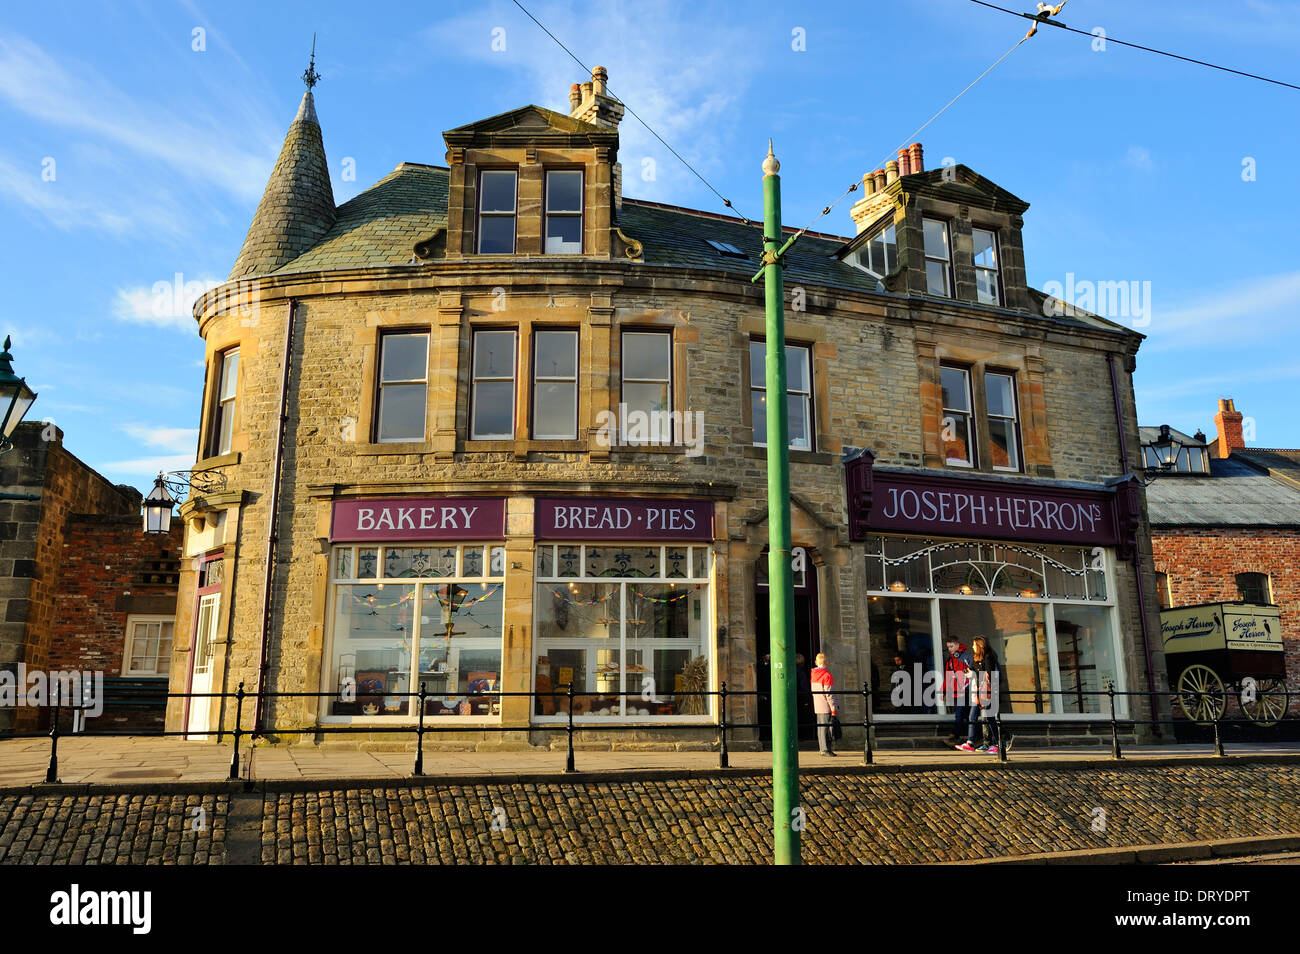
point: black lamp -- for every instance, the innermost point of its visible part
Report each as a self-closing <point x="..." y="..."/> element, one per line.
<point x="15" y="397"/>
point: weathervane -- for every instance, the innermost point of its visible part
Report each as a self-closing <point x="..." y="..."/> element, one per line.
<point x="310" y="76"/>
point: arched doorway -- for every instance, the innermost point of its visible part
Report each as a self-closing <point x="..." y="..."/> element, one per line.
<point x="807" y="642"/>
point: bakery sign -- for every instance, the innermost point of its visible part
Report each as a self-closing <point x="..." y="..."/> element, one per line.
<point x="624" y="518"/>
<point x="419" y="518"/>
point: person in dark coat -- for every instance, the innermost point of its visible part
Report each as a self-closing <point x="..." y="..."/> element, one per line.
<point x="956" y="677"/>
<point x="983" y="699"/>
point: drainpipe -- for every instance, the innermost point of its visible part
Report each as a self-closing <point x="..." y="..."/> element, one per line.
<point x="273" y="531"/>
<point x="1137" y="552"/>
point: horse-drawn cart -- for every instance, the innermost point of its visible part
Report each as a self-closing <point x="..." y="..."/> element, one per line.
<point x="1215" y="648"/>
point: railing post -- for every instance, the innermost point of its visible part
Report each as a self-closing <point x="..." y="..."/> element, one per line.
<point x="52" y="771"/>
<point x="419" y="736"/>
<point x="1218" y="736"/>
<point x="568" y="759"/>
<point x="1114" y="725"/>
<point x="723" y="757"/>
<point x="868" y="756"/>
<point x="239" y="718"/>
<point x="1002" y="738"/>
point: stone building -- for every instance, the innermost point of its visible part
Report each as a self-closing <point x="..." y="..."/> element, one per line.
<point x="81" y="588"/>
<point x="493" y="425"/>
<point x="1225" y="527"/>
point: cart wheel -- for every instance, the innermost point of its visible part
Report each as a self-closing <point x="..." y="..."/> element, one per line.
<point x="1270" y="702"/>
<point x="1201" y="694"/>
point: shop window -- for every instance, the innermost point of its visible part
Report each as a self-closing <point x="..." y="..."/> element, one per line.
<point x="988" y="286"/>
<point x="1253" y="588"/>
<point x="798" y="381"/>
<point x="148" y="646"/>
<point x="902" y="655"/>
<point x="879" y="255"/>
<point x="496" y="211"/>
<point x="1004" y="426"/>
<point x="938" y="258"/>
<point x="564" y="212"/>
<point x="492" y="391"/>
<point x="555" y="385"/>
<point x="403" y="387"/>
<point x="1085" y="657"/>
<point x="647" y="388"/>
<point x="441" y="626"/>
<point x="1017" y="635"/>
<point x="957" y="430"/>
<point x="221" y="429"/>
<point x="627" y="625"/>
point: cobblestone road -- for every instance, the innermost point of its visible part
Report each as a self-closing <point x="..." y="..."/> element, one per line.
<point x="896" y="817"/>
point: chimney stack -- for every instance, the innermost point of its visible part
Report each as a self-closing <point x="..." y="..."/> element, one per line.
<point x="904" y="163"/>
<point x="1228" y="423"/>
<point x="592" y="103"/>
<point x="914" y="152"/>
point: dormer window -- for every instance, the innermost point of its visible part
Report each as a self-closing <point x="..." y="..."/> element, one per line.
<point x="938" y="258"/>
<point x="725" y="248"/>
<point x="879" y="255"/>
<point x="496" y="211"/>
<point x="987" y="285"/>
<point x="564" y="212"/>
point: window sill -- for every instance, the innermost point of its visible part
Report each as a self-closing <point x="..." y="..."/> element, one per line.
<point x="396" y="447"/>
<point x="221" y="460"/>
<point x="759" y="452"/>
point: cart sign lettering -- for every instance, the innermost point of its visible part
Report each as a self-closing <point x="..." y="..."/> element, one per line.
<point x="419" y="518"/>
<point x="623" y="519"/>
<point x="1218" y="626"/>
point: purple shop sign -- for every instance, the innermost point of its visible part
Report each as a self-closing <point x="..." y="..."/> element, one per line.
<point x="933" y="504"/>
<point x="622" y="518"/>
<point x="419" y="518"/>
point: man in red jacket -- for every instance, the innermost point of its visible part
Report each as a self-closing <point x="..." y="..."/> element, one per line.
<point x="956" y="675"/>
<point x="824" y="704"/>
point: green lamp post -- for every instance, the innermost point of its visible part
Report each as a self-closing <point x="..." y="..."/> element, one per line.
<point x="15" y="397"/>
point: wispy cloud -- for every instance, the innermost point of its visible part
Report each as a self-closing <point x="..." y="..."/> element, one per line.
<point x="175" y="439"/>
<point x="163" y="304"/>
<point x="176" y="443"/>
<point x="1243" y="315"/>
<point x="1139" y="158"/>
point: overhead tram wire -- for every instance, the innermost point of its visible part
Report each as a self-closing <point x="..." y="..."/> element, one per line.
<point x="910" y="138"/>
<point x="1044" y="19"/>
<point x="664" y="142"/>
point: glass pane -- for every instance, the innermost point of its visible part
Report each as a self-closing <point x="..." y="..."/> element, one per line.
<point x="372" y="649"/>
<point x="496" y="562"/>
<point x="797" y="414"/>
<point x="1001" y="397"/>
<point x="936" y="278"/>
<point x="545" y="561"/>
<point x="497" y="192"/>
<point x="555" y="354"/>
<point x="902" y="652"/>
<point x="496" y="234"/>
<point x="1085" y="657"/>
<point x="460" y="648"/>
<point x="229" y="375"/>
<point x="956" y="395"/>
<point x="419" y="561"/>
<point x="569" y="560"/>
<point x="578" y="611"/>
<point x="494" y="409"/>
<point x="1002" y="444"/>
<point x="936" y="239"/>
<point x="700" y="562"/>
<point x="891" y="250"/>
<point x="563" y="234"/>
<point x="757" y="364"/>
<point x="555" y="410"/>
<point x="758" y="414"/>
<point x="367" y="563"/>
<point x="629" y="562"/>
<point x="227" y="428"/>
<point x="646" y="417"/>
<point x="956" y="439"/>
<point x="986" y="286"/>
<point x="494" y="354"/>
<point x="985" y="248"/>
<point x="646" y="356"/>
<point x="406" y="358"/>
<point x="343" y="562"/>
<point x="677" y="562"/>
<point x="1065" y="577"/>
<point x="471" y="563"/>
<point x="564" y="191"/>
<point x="402" y="412"/>
<point x="796" y="369"/>
<point x="1016" y="637"/>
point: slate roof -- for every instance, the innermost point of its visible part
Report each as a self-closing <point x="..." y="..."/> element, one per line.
<point x="1235" y="494"/>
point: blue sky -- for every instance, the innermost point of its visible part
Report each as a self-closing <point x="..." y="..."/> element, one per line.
<point x="130" y="158"/>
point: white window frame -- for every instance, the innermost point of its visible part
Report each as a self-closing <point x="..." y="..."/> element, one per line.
<point x="806" y="396"/>
<point x="223" y="406"/>
<point x="476" y="379"/>
<point x="422" y="380"/>
<point x="564" y="213"/>
<point x="512" y="214"/>
<point x="864" y="259"/>
<point x="1015" y="468"/>
<point x="946" y="259"/>
<point x="132" y="621"/>
<point x="972" y="439"/>
<point x="571" y="380"/>
<point x="995" y="270"/>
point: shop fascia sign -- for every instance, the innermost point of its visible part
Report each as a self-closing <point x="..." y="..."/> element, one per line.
<point x="623" y="518"/>
<point x="929" y="503"/>
<point x="418" y="518"/>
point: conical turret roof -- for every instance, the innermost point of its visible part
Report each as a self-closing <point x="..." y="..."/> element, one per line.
<point x="297" y="208"/>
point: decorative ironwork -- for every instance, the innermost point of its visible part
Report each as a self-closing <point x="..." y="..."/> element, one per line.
<point x="180" y="483"/>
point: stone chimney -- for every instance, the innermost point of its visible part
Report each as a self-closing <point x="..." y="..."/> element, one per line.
<point x="878" y="187"/>
<point x="914" y="153"/>
<point x="1228" y="423"/>
<point x="592" y="103"/>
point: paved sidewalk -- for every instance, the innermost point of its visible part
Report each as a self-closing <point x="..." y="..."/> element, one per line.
<point x="124" y="761"/>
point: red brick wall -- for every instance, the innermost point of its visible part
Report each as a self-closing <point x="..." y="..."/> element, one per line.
<point x="1203" y="564"/>
<point x="102" y="582"/>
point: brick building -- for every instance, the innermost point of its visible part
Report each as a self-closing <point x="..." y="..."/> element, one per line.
<point x="76" y="573"/>
<point x="1226" y="526"/>
<point x="505" y="426"/>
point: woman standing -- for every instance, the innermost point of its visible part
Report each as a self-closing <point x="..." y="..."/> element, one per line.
<point x="984" y="698"/>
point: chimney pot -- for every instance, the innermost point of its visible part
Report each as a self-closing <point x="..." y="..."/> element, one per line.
<point x="904" y="164"/>
<point x="879" y="176"/>
<point x="575" y="98"/>
<point x="599" y="77"/>
<point x="918" y="165"/>
<point x="891" y="171"/>
<point x="868" y="183"/>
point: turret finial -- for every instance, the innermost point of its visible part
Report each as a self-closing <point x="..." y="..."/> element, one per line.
<point x="310" y="76"/>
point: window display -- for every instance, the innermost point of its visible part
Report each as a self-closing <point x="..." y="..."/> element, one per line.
<point x="441" y="625"/>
